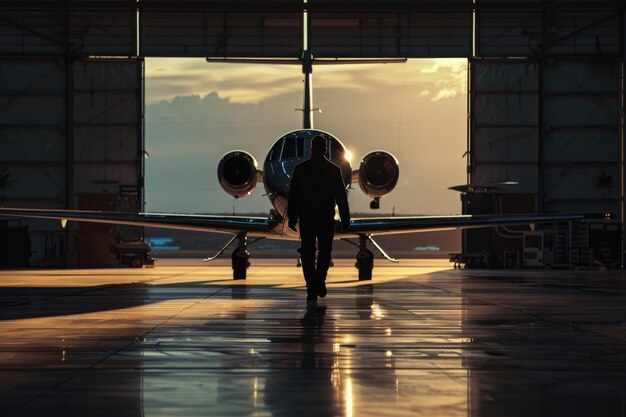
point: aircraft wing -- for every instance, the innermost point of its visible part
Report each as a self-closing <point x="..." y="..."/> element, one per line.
<point x="397" y="225"/>
<point x="266" y="226"/>
<point x="258" y="226"/>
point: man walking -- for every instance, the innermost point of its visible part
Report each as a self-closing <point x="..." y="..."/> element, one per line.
<point x="316" y="186"/>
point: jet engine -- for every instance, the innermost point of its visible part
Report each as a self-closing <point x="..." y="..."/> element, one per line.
<point x="378" y="174"/>
<point x="237" y="173"/>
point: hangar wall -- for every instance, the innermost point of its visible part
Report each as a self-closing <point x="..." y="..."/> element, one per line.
<point x="546" y="124"/>
<point x="72" y="137"/>
<point x="552" y="125"/>
<point x="71" y="125"/>
<point x="33" y="141"/>
<point x="546" y="91"/>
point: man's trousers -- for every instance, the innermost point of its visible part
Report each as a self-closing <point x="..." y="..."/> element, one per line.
<point x="321" y="231"/>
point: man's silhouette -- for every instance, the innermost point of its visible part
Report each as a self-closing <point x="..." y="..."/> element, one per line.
<point x="316" y="186"/>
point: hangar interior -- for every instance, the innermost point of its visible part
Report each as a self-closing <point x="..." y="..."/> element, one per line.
<point x="545" y="107"/>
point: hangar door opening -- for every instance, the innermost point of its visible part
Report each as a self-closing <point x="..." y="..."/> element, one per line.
<point x="198" y="111"/>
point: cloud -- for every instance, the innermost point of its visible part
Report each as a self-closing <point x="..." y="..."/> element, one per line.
<point x="430" y="69"/>
<point x="253" y="83"/>
<point x="167" y="118"/>
<point x="424" y="93"/>
<point x="443" y="94"/>
<point x="166" y="77"/>
<point x="433" y="66"/>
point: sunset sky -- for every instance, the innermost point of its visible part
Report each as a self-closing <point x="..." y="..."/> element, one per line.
<point x="196" y="112"/>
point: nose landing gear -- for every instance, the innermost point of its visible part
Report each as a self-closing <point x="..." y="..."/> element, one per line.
<point x="364" y="260"/>
<point x="241" y="257"/>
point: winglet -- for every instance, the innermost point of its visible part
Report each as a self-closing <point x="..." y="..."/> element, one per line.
<point x="63" y="223"/>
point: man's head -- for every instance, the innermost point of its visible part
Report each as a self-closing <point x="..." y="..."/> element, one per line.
<point x="318" y="146"/>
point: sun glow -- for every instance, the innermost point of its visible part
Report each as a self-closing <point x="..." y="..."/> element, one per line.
<point x="348" y="156"/>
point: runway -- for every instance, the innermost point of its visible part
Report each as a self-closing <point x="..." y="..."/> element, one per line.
<point x="421" y="339"/>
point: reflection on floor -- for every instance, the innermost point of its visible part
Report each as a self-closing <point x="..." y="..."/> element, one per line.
<point x="420" y="339"/>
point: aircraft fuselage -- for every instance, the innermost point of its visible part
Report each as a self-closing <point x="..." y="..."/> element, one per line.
<point x="287" y="152"/>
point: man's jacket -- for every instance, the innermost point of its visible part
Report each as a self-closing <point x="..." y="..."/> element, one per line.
<point x="316" y="186"/>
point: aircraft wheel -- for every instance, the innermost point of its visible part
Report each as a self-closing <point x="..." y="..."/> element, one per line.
<point x="240" y="262"/>
<point x="365" y="264"/>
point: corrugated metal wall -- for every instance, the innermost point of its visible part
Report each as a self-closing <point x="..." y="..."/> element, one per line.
<point x="553" y="126"/>
<point x="70" y="123"/>
<point x="546" y="107"/>
<point x="33" y="141"/>
<point x="66" y="133"/>
<point x="107" y="152"/>
<point x="549" y="115"/>
<point x="107" y="125"/>
<point x="33" y="129"/>
<point x="580" y="135"/>
<point x="548" y="32"/>
<point x="29" y="31"/>
<point x="391" y="34"/>
<point x="505" y="123"/>
<point x="215" y="34"/>
<point x="32" y="32"/>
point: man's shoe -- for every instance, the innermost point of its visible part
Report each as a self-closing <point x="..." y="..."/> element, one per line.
<point x="321" y="290"/>
<point x="311" y="295"/>
<point x="311" y="301"/>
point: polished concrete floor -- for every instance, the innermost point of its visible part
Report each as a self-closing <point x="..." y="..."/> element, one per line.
<point x="183" y="339"/>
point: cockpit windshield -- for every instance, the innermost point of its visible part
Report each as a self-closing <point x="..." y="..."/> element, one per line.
<point x="294" y="146"/>
<point x="300" y="146"/>
<point x="335" y="149"/>
<point x="289" y="147"/>
<point x="275" y="151"/>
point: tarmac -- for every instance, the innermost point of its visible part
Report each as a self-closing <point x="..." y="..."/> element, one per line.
<point x="420" y="339"/>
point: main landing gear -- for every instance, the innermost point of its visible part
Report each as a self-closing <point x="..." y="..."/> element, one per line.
<point x="365" y="257"/>
<point x="240" y="257"/>
<point x="364" y="260"/>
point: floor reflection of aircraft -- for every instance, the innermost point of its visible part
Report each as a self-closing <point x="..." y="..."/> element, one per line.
<point x="237" y="172"/>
